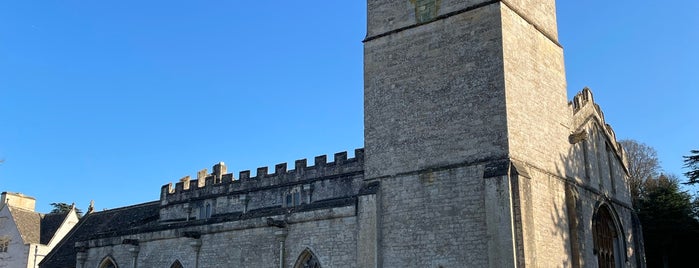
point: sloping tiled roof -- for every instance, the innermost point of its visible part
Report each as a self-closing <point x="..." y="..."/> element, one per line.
<point x="28" y="223"/>
<point x="34" y="227"/>
<point x="101" y="224"/>
<point x="50" y="224"/>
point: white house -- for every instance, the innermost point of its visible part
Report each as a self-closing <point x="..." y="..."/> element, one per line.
<point x="26" y="236"/>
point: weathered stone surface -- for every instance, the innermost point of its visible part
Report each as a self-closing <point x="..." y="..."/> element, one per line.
<point x="434" y="95"/>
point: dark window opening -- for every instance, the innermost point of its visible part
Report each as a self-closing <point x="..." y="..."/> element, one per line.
<point x="307" y="260"/>
<point x="108" y="263"/>
<point x="297" y="199"/>
<point x="176" y="264"/>
<point x="606" y="239"/>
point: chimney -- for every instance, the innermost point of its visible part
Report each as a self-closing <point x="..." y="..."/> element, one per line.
<point x="18" y="200"/>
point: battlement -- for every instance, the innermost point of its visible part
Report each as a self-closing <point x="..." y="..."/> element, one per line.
<point x="584" y="108"/>
<point x="584" y="99"/>
<point x="221" y="183"/>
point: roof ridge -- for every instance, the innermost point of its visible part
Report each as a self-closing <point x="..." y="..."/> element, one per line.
<point x="126" y="207"/>
<point x="64" y="239"/>
<point x="63" y="216"/>
<point x="55" y="213"/>
<point x="22" y="209"/>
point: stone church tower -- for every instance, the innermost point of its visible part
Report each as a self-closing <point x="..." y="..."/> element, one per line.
<point x="473" y="158"/>
<point x="467" y="130"/>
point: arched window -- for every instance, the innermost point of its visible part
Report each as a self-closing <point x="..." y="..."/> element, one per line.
<point x="607" y="238"/>
<point x="108" y="262"/>
<point x="176" y="264"/>
<point x="307" y="260"/>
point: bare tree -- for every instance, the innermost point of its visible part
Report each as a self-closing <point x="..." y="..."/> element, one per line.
<point x="643" y="164"/>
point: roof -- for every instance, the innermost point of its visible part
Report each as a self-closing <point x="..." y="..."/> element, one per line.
<point x="34" y="227"/>
<point x="28" y="224"/>
<point x="50" y="224"/>
<point x="106" y="223"/>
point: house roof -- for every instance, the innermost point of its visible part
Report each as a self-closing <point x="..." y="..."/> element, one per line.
<point x="50" y="224"/>
<point x="99" y="224"/>
<point x="34" y="227"/>
<point x="28" y="224"/>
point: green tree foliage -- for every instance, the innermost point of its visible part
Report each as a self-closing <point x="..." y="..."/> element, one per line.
<point x="64" y="208"/>
<point x="692" y="163"/>
<point x="670" y="228"/>
<point x="643" y="164"/>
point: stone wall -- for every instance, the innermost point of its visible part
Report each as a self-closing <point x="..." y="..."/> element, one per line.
<point x="17" y="254"/>
<point x="323" y="181"/>
<point x="434" y="94"/>
<point x="538" y="118"/>
<point x="433" y="218"/>
<point x="328" y="233"/>
<point x="390" y="15"/>
<point x="545" y="222"/>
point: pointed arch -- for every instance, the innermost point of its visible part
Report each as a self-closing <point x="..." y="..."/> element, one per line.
<point x="307" y="260"/>
<point x="176" y="264"/>
<point x="108" y="262"/>
<point x="608" y="238"/>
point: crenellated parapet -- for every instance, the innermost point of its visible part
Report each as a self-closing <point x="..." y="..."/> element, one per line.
<point x="217" y="183"/>
<point x="584" y="108"/>
<point x="588" y="118"/>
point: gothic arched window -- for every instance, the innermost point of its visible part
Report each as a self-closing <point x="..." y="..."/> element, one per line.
<point x="108" y="262"/>
<point x="606" y="237"/>
<point x="176" y="264"/>
<point x="307" y="260"/>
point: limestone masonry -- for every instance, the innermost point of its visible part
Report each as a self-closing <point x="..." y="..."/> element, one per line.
<point x="473" y="157"/>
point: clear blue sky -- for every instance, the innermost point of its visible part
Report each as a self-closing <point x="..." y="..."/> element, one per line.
<point x="109" y="100"/>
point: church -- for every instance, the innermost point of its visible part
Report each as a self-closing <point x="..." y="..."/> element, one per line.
<point x="473" y="157"/>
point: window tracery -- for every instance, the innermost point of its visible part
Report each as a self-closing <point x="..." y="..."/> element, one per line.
<point x="4" y="244"/>
<point x="606" y="239"/>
